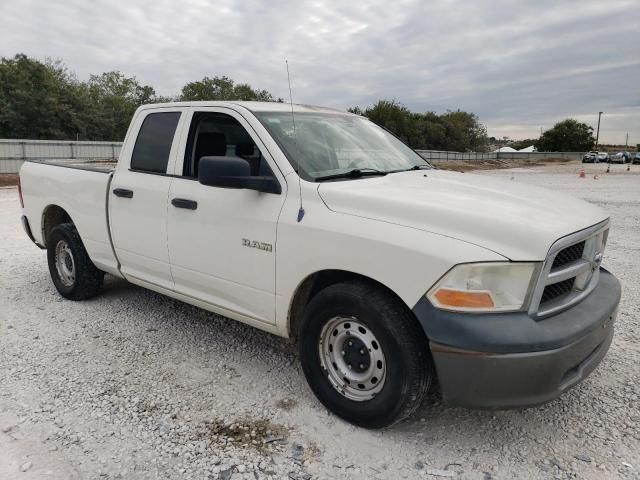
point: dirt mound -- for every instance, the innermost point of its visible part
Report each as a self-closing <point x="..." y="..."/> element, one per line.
<point x="8" y="179"/>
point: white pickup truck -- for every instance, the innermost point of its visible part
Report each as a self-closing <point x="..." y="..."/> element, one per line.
<point x="318" y="225"/>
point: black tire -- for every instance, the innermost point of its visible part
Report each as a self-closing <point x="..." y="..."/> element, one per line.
<point x="87" y="280"/>
<point x="409" y="367"/>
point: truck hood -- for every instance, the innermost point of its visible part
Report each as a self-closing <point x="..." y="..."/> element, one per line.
<point x="513" y="219"/>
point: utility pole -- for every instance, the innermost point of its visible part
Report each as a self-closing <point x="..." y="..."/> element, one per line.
<point x="598" y="131"/>
<point x="626" y="142"/>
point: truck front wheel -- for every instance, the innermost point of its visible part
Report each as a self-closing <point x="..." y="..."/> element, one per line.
<point x="72" y="271"/>
<point x="364" y="355"/>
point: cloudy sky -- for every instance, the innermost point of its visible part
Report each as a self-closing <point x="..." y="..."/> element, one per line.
<point x="520" y="65"/>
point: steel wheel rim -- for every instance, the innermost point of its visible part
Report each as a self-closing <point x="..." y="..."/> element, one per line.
<point x="352" y="357"/>
<point x="65" y="265"/>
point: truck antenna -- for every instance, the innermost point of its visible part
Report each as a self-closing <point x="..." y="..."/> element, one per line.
<point x="295" y="139"/>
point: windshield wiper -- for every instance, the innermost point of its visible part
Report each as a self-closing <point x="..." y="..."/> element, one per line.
<point x="415" y="167"/>
<point x="355" y="173"/>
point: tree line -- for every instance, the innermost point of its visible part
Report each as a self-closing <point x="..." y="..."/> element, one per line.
<point x="44" y="100"/>
<point x="454" y="130"/>
<point x="460" y="131"/>
<point x="568" y="135"/>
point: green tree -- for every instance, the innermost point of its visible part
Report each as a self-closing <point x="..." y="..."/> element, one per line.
<point x="222" y="88"/>
<point x="464" y="132"/>
<point x="457" y="131"/>
<point x="567" y="136"/>
<point x="43" y="100"/>
<point x="114" y="98"/>
<point x="395" y="117"/>
<point x="37" y="100"/>
<point x="432" y="132"/>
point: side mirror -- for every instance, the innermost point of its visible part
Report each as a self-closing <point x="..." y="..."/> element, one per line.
<point x="233" y="172"/>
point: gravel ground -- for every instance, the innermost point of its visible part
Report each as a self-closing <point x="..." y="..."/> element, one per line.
<point x="135" y="385"/>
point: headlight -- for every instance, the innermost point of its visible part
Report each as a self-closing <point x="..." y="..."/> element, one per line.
<point x="484" y="287"/>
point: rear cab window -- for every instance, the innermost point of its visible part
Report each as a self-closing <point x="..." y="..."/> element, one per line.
<point x="153" y="145"/>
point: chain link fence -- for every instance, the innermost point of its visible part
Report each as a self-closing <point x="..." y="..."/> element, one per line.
<point x="14" y="152"/>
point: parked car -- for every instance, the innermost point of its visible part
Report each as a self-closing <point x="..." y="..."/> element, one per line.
<point x="636" y="158"/>
<point x="590" y="157"/>
<point x="595" y="157"/>
<point x="323" y="227"/>
<point x="617" y="158"/>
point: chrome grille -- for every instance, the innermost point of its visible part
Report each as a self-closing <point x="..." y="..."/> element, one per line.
<point x="568" y="255"/>
<point x="556" y="290"/>
<point x="570" y="271"/>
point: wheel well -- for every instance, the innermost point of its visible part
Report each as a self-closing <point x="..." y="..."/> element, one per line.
<point x="316" y="282"/>
<point x="52" y="216"/>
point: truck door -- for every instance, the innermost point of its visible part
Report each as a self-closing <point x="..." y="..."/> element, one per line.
<point x="138" y="197"/>
<point x="222" y="241"/>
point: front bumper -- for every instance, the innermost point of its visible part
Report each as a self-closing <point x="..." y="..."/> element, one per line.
<point x="510" y="360"/>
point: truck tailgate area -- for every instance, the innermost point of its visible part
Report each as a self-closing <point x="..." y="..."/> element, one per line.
<point x="81" y="191"/>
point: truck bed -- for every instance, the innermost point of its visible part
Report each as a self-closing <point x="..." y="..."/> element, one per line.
<point x="106" y="166"/>
<point x="80" y="189"/>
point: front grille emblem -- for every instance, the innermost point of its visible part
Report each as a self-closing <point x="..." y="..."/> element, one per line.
<point x="597" y="260"/>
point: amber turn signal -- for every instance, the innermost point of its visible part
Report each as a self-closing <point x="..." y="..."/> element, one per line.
<point x="465" y="299"/>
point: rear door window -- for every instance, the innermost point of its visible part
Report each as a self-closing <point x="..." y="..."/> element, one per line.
<point x="151" y="151"/>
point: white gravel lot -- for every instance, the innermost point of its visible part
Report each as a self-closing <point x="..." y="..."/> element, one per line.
<point x="135" y="385"/>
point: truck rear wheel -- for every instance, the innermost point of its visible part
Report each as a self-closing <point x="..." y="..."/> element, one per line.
<point x="72" y="271"/>
<point x="364" y="355"/>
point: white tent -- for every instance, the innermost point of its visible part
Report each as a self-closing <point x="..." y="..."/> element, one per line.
<point x="530" y="148"/>
<point x="506" y="149"/>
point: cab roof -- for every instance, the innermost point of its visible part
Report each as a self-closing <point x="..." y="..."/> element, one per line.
<point x="252" y="106"/>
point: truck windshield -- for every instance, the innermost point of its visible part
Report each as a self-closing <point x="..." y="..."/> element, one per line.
<point x="327" y="145"/>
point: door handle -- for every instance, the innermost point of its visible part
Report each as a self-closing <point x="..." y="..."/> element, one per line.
<point x="123" y="192"/>
<point x="184" y="203"/>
